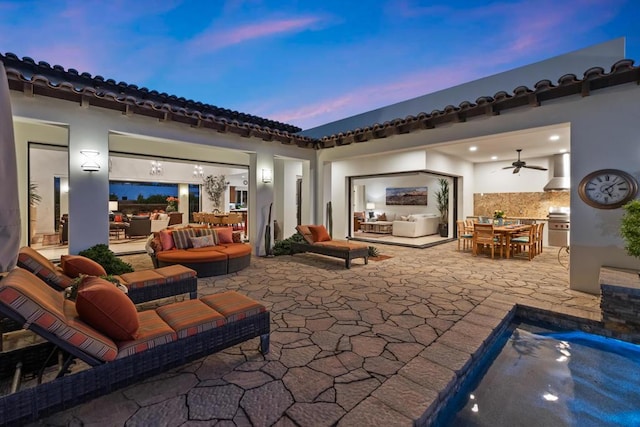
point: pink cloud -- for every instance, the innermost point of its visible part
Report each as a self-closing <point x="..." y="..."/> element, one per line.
<point x="214" y="40"/>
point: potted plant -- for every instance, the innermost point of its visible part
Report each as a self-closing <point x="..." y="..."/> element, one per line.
<point x="442" y="200"/>
<point x="630" y="228"/>
<point x="34" y="200"/>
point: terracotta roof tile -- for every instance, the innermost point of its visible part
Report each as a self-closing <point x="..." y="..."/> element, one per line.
<point x="42" y="79"/>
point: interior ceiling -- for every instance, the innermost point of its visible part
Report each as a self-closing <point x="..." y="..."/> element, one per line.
<point x="534" y="143"/>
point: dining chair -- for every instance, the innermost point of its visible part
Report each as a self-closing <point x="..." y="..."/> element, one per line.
<point x="528" y="241"/>
<point x="539" y="237"/>
<point x="484" y="236"/>
<point x="468" y="225"/>
<point x="463" y="235"/>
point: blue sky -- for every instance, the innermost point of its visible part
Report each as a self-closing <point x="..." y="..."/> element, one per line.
<point x="307" y="62"/>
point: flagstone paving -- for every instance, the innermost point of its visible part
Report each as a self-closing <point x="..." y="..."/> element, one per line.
<point x="375" y="345"/>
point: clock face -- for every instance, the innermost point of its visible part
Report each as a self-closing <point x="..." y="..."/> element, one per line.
<point x="607" y="188"/>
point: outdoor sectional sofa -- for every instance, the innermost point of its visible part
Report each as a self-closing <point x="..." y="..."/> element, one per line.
<point x="223" y="253"/>
<point x="318" y="241"/>
<point x="144" y="285"/>
<point x="164" y="338"/>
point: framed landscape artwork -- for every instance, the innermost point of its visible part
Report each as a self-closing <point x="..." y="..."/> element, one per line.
<point x="407" y="196"/>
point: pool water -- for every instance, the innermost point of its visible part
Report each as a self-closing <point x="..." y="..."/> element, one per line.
<point x="547" y="378"/>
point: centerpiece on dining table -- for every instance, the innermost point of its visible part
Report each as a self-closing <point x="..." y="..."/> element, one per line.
<point x="499" y="216"/>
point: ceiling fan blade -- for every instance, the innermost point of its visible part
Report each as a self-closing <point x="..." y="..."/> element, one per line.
<point x="516" y="170"/>
<point x="508" y="167"/>
<point x="540" y="168"/>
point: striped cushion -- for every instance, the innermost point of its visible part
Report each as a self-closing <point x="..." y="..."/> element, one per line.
<point x="153" y="331"/>
<point x="36" y="302"/>
<point x="33" y="261"/>
<point x="182" y="237"/>
<point x="142" y="278"/>
<point x="190" y="317"/>
<point x="175" y="273"/>
<point x="209" y="232"/>
<point x="233" y="306"/>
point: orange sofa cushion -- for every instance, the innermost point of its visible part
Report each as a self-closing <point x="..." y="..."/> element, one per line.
<point x="182" y="255"/>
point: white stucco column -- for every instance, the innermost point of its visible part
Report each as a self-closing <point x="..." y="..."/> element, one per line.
<point x="88" y="191"/>
<point x="260" y="200"/>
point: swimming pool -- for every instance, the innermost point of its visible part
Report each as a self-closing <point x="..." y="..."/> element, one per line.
<point x="535" y="376"/>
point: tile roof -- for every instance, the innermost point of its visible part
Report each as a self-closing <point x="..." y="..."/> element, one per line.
<point x="42" y="79"/>
<point x="594" y="78"/>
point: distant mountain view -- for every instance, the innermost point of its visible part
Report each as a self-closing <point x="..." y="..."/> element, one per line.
<point x="407" y="196"/>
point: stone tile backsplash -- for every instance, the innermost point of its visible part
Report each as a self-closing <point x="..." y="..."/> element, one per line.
<point x="519" y="205"/>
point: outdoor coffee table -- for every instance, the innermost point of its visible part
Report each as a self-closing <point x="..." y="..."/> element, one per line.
<point x="381" y="227"/>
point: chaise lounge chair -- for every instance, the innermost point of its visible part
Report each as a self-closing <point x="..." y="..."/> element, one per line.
<point x="145" y="285"/>
<point x="164" y="338"/>
<point x="318" y="241"/>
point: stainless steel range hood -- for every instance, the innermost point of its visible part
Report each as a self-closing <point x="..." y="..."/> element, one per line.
<point x="561" y="176"/>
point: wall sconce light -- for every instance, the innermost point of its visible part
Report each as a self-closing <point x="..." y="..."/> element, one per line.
<point x="267" y="175"/>
<point x="90" y="165"/>
<point x="113" y="206"/>
<point x="156" y="168"/>
<point x="198" y="171"/>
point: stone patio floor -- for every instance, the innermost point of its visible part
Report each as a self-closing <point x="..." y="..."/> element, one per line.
<point x="375" y="345"/>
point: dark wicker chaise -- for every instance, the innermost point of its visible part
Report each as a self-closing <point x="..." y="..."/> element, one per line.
<point x="166" y="337"/>
<point x="144" y="285"/>
<point x="343" y="249"/>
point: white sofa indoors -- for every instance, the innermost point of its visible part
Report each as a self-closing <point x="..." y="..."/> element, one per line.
<point x="416" y="225"/>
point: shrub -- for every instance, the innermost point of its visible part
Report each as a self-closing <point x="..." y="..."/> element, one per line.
<point x="107" y="259"/>
<point x="630" y="228"/>
<point x="284" y="247"/>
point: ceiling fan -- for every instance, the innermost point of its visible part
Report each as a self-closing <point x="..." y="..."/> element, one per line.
<point x="522" y="164"/>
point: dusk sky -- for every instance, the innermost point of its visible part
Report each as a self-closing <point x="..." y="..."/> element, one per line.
<point x="307" y="62"/>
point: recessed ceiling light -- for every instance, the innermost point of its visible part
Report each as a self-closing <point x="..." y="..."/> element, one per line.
<point x="494" y="157"/>
<point x="473" y="148"/>
<point x="554" y="137"/>
<point x="563" y="150"/>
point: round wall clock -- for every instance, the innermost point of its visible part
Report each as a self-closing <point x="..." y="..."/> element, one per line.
<point x="607" y="188"/>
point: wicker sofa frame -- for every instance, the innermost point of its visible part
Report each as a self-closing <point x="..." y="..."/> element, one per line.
<point x="343" y="252"/>
<point x="104" y="377"/>
<point x="213" y="267"/>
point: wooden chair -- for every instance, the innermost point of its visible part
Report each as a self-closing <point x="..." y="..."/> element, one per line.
<point x="539" y="236"/>
<point x="463" y="235"/>
<point x="483" y="235"/>
<point x="519" y="243"/>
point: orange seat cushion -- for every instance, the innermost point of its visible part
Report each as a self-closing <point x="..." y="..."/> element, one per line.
<point x="180" y="255"/>
<point x="190" y="317"/>
<point x="233" y="306"/>
<point x="142" y="278"/>
<point x="107" y="309"/>
<point x="236" y="250"/>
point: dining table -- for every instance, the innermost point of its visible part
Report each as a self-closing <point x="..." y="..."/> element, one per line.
<point x="507" y="231"/>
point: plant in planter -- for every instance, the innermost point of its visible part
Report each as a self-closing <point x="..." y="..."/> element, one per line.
<point x="106" y="258"/>
<point x="215" y="186"/>
<point x="34" y="200"/>
<point x="630" y="228"/>
<point x="442" y="201"/>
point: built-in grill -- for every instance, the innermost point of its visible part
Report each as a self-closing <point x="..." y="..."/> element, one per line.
<point x="559" y="226"/>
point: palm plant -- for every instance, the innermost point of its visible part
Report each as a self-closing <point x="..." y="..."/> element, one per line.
<point x="34" y="197"/>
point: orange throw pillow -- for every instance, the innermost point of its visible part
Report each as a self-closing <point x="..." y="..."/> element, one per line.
<point x="107" y="309"/>
<point x="75" y="265"/>
<point x="225" y="235"/>
<point x="319" y="233"/>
